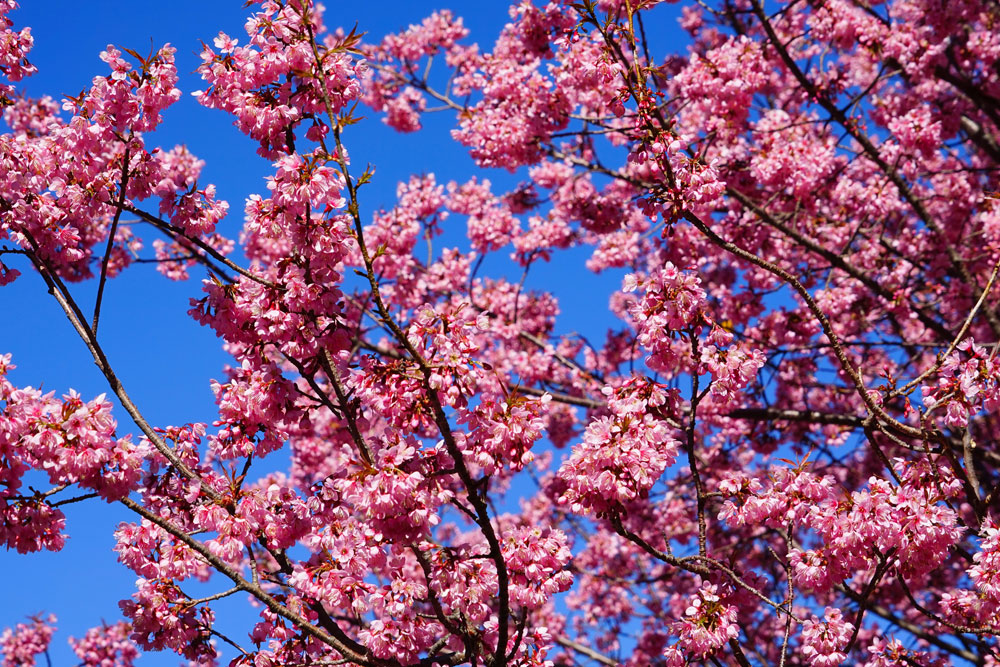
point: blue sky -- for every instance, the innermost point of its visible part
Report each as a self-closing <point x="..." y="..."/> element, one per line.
<point x="163" y="357"/>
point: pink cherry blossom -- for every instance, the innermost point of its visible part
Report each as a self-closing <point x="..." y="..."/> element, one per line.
<point x="22" y="644"/>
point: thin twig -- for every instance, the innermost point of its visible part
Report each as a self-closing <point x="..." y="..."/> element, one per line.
<point x="111" y="241"/>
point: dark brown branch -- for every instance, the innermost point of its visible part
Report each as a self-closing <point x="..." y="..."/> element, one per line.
<point x="177" y="232"/>
<point x="440" y="418"/>
<point x="73" y="313"/>
<point x="111" y="242"/>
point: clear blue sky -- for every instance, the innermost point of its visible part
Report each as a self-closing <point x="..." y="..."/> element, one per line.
<point x="163" y="357"/>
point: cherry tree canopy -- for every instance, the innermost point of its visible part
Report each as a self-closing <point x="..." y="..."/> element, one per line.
<point x="784" y="451"/>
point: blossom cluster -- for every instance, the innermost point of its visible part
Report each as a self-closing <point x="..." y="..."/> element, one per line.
<point x="622" y="454"/>
<point x="69" y="440"/>
<point x="22" y="644"/>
